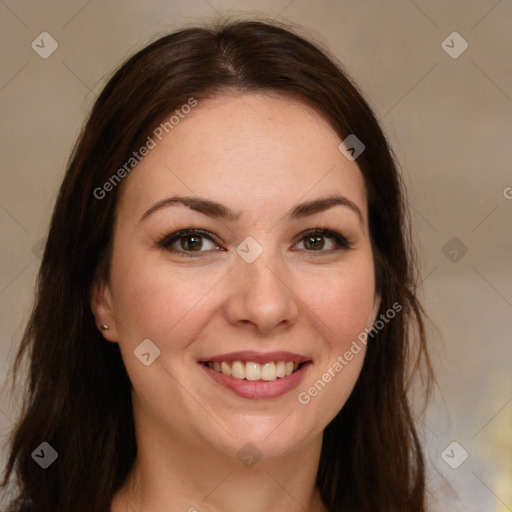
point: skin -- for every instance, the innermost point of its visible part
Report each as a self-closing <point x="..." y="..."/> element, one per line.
<point x="261" y="155"/>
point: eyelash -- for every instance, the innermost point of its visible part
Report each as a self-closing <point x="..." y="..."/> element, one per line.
<point x="167" y="240"/>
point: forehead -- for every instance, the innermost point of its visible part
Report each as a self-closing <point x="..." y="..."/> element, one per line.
<point x="247" y="150"/>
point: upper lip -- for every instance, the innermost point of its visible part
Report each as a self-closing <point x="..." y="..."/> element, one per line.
<point x="257" y="357"/>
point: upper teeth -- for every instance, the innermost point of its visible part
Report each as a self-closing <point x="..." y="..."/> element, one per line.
<point x="255" y="371"/>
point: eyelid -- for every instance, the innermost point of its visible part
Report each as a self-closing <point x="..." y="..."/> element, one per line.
<point x="166" y="240"/>
<point x="341" y="241"/>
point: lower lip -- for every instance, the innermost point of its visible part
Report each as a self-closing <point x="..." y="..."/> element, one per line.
<point x="259" y="389"/>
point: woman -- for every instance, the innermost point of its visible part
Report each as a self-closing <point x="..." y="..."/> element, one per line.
<point x="226" y="314"/>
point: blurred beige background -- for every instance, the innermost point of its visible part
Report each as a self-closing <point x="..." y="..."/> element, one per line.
<point x="447" y="113"/>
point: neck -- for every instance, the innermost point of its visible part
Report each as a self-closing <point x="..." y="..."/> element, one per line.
<point x="172" y="475"/>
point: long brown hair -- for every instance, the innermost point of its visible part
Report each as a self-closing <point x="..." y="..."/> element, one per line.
<point x="78" y="392"/>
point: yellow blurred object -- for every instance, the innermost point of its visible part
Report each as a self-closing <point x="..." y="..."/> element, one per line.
<point x="493" y="445"/>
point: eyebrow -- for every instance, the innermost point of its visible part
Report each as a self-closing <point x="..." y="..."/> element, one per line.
<point x="219" y="211"/>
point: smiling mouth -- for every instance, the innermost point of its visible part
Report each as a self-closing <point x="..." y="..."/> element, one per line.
<point x="252" y="371"/>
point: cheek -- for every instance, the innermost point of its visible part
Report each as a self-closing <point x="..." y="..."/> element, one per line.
<point x="341" y="310"/>
<point x="342" y="304"/>
<point x="158" y="302"/>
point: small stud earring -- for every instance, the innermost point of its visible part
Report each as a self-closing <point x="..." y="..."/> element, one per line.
<point x="104" y="327"/>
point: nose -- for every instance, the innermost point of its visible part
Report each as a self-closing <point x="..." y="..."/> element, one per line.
<point x="261" y="296"/>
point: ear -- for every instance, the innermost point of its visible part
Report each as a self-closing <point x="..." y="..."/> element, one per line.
<point x="101" y="306"/>
<point x="376" y="306"/>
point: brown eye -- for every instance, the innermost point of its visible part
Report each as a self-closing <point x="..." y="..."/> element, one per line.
<point x="191" y="242"/>
<point x="314" y="242"/>
<point x="188" y="242"/>
<point x="323" y="240"/>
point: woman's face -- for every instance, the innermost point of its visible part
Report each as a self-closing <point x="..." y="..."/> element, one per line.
<point x="257" y="285"/>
